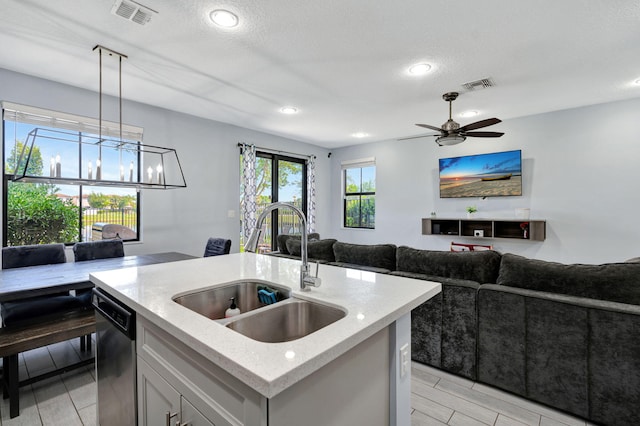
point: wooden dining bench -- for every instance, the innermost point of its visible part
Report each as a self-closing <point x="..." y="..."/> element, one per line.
<point x="17" y="339"/>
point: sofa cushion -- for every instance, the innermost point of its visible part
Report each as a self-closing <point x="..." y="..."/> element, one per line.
<point x="479" y="266"/>
<point x="282" y="240"/>
<point x="616" y="282"/>
<point x="320" y="250"/>
<point x="376" y="255"/>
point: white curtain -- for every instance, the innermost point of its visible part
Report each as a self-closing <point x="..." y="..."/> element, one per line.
<point x="311" y="194"/>
<point x="249" y="189"/>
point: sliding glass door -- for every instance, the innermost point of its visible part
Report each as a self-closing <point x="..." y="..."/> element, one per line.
<point x="283" y="179"/>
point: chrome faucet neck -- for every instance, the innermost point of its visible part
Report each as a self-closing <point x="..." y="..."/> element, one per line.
<point x="306" y="279"/>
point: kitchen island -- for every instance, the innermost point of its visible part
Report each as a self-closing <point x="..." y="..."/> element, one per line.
<point x="193" y="370"/>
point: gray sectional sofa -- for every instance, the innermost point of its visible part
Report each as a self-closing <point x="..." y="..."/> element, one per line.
<point x="564" y="335"/>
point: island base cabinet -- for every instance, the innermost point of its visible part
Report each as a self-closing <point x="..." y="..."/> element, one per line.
<point x="172" y="377"/>
<point x="161" y="404"/>
<point x="353" y="389"/>
<point x="156" y="397"/>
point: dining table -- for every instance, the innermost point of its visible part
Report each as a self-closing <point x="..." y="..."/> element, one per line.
<point x="32" y="281"/>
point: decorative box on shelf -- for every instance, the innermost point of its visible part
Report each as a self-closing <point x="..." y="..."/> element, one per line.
<point x="520" y="229"/>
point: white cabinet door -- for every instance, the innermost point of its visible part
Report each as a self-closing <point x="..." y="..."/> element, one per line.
<point x="156" y="398"/>
<point x="192" y="417"/>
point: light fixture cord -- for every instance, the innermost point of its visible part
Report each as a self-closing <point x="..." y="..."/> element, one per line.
<point x="120" y="103"/>
<point x="100" y="110"/>
<point x="120" y="94"/>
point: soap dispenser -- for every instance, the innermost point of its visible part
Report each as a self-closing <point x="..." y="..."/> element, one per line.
<point x="233" y="309"/>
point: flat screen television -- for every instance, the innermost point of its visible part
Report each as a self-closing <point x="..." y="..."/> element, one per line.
<point x="483" y="175"/>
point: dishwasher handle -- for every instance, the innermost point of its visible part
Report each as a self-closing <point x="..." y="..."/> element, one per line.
<point x="120" y="316"/>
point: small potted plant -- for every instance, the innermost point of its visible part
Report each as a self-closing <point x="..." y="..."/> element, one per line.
<point x="471" y="210"/>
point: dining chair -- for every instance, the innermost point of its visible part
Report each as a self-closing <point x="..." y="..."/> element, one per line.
<point x="217" y="246"/>
<point x="92" y="250"/>
<point x="100" y="249"/>
<point x="30" y="309"/>
<point x="32" y="255"/>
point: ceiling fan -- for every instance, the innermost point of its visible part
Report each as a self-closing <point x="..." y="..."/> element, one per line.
<point x="451" y="133"/>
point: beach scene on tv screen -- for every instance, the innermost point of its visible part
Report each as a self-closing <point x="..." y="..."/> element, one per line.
<point x="482" y="175"/>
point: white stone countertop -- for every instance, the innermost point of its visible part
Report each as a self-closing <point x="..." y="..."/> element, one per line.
<point x="372" y="301"/>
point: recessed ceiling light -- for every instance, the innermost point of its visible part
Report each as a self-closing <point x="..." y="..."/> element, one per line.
<point x="360" y="135"/>
<point x="224" y="18"/>
<point x="289" y="110"/>
<point x="419" y="69"/>
<point x="468" y="114"/>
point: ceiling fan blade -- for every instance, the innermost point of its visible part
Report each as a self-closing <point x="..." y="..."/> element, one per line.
<point x="426" y="126"/>
<point x="416" y="137"/>
<point x="483" y="134"/>
<point x="480" y="124"/>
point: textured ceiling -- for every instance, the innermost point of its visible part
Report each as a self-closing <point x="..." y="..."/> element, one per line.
<point x="342" y="63"/>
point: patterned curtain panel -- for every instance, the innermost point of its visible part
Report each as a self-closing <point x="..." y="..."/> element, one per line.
<point x="249" y="189"/>
<point x="311" y="194"/>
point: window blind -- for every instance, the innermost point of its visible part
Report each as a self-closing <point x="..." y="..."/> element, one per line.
<point x="44" y="117"/>
<point x="359" y="163"/>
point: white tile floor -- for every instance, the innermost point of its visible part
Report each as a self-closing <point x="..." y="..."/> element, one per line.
<point x="437" y="398"/>
<point x="68" y="399"/>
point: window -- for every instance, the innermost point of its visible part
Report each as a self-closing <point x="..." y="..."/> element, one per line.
<point x="43" y="213"/>
<point x="359" y="179"/>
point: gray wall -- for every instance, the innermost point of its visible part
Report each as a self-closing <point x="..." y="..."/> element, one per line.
<point x="580" y="172"/>
<point x="178" y="219"/>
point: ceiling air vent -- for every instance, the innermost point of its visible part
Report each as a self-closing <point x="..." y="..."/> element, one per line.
<point x="479" y="84"/>
<point x="132" y="11"/>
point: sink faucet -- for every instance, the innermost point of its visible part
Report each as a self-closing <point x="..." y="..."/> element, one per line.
<point x="306" y="280"/>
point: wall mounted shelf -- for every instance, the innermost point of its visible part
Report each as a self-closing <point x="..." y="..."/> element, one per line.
<point x="536" y="230"/>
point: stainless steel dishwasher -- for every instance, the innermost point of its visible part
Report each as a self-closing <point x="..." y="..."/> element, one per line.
<point x="115" y="361"/>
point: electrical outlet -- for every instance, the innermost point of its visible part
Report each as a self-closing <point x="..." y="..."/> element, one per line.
<point x="404" y="360"/>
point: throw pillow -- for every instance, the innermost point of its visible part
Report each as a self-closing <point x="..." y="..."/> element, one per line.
<point x="317" y="250"/>
<point x="376" y="255"/>
<point x="283" y="238"/>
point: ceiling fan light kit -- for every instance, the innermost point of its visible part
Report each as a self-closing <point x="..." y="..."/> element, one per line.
<point x="451" y="133"/>
<point x="450" y="140"/>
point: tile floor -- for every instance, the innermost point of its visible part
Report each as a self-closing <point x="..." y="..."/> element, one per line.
<point x="68" y="399"/>
<point x="437" y="398"/>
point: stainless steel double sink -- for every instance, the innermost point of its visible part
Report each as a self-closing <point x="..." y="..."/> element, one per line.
<point x="287" y="319"/>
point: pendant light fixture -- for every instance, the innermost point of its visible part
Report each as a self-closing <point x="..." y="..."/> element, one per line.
<point x="119" y="161"/>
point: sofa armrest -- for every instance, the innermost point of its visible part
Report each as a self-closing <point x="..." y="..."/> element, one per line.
<point x="578" y="354"/>
<point x="566" y="299"/>
<point x="443" y="329"/>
